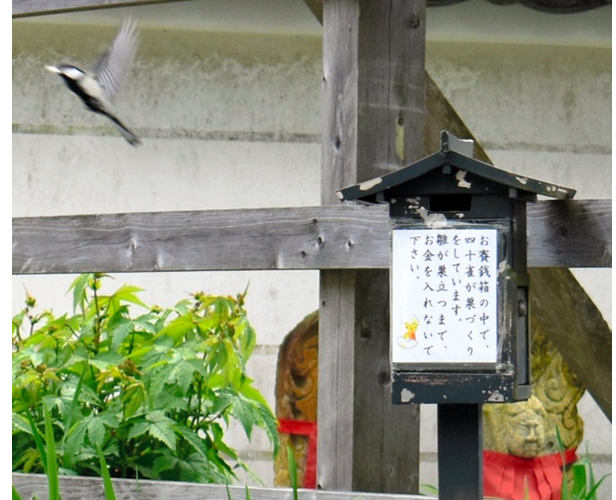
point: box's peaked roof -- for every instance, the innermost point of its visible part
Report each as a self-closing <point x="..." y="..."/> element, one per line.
<point x="454" y="152"/>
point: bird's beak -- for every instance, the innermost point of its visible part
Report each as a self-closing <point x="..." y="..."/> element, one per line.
<point x="53" y="69"/>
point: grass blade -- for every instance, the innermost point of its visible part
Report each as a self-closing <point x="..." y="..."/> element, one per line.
<point x="292" y="471"/>
<point x="52" y="461"/>
<point x="72" y="412"/>
<point x="40" y="446"/>
<point x="428" y="489"/>
<point x="16" y="495"/>
<point x="108" y="485"/>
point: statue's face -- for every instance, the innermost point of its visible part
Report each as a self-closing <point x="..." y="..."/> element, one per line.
<point x="527" y="438"/>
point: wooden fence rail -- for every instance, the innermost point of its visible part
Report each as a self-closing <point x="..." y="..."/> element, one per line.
<point x="560" y="234"/>
<point x="78" y="488"/>
<point x="26" y="8"/>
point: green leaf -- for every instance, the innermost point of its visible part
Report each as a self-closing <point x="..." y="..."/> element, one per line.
<point x="96" y="430"/>
<point x="178" y="329"/>
<point x="248" y="338"/>
<point x="217" y="435"/>
<point x="161" y="427"/>
<point x="21" y="423"/>
<point x="133" y="399"/>
<point x="74" y="441"/>
<point x="80" y="286"/>
<point x="266" y="418"/>
<point x="182" y="374"/>
<point x="246" y="414"/>
<point x="137" y="429"/>
<point x="191" y="438"/>
<point x="120" y="332"/>
<point x="128" y="293"/>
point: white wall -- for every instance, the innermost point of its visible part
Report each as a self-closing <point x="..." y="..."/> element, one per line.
<point x="228" y="121"/>
<point x="233" y="120"/>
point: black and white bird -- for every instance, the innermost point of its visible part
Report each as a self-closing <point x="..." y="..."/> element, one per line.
<point x="98" y="87"/>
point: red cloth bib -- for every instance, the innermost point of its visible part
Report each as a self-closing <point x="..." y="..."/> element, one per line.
<point x="505" y="476"/>
<point x="307" y="429"/>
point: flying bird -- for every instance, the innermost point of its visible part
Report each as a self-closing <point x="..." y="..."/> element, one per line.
<point x="98" y="86"/>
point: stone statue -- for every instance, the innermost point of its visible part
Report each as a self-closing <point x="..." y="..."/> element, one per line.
<point x="521" y="450"/>
<point x="296" y="401"/>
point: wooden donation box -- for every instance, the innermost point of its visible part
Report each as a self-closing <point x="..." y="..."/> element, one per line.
<point x="459" y="282"/>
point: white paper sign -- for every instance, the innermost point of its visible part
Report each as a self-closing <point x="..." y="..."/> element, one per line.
<point x="444" y="296"/>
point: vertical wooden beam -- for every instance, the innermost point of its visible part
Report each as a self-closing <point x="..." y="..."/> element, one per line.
<point x="373" y="61"/>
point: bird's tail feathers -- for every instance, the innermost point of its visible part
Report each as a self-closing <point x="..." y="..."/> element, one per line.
<point x="130" y="137"/>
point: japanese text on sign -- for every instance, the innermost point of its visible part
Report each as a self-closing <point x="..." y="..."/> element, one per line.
<point x="444" y="296"/>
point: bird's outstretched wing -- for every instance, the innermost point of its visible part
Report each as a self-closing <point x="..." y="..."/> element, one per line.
<point x="113" y="65"/>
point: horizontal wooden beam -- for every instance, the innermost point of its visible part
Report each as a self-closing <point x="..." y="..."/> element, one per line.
<point x="560" y="234"/>
<point x="28" y="8"/>
<point x="76" y="488"/>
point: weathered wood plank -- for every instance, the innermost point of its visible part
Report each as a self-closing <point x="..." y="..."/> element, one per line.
<point x="27" y="8"/>
<point x="562" y="309"/>
<point x="570" y="234"/>
<point x="78" y="488"/>
<point x="337" y="336"/>
<point x="335" y="463"/>
<point x="316" y="7"/>
<point x="287" y="238"/>
<point x="560" y="234"/>
<point x="373" y="63"/>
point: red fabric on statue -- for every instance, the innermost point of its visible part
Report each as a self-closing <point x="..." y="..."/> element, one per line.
<point x="505" y="476"/>
<point x="306" y="429"/>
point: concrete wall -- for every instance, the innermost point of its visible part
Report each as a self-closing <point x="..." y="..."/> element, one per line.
<point x="234" y="120"/>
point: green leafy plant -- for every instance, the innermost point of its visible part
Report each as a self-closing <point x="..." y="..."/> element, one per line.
<point x="581" y="484"/>
<point x="151" y="394"/>
<point x="51" y="466"/>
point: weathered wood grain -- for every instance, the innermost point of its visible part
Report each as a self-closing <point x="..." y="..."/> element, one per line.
<point x="79" y="488"/>
<point x="373" y="64"/>
<point x="336" y="381"/>
<point x="287" y="238"/>
<point x="560" y="234"/>
<point x="562" y="309"/>
<point x="26" y="8"/>
<point x="570" y="234"/>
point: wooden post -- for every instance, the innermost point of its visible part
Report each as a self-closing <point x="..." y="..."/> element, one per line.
<point x="373" y="59"/>
<point x="460" y="452"/>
